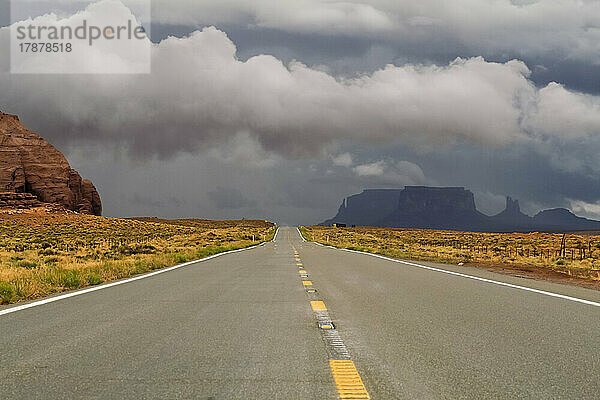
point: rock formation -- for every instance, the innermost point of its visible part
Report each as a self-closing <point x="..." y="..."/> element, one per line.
<point x="29" y="164"/>
<point x="411" y="207"/>
<point x="451" y="208"/>
<point x="436" y="208"/>
<point x="366" y="207"/>
<point x="18" y="200"/>
<point x="563" y="219"/>
<point x="512" y="218"/>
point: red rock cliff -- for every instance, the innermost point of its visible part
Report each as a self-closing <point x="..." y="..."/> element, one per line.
<point x="29" y="164"/>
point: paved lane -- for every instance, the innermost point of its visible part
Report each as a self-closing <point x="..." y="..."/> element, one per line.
<point x="242" y="326"/>
<point x="418" y="334"/>
<point x="236" y="327"/>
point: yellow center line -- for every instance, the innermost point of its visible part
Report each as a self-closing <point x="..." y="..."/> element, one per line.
<point x="318" y="305"/>
<point x="347" y="380"/>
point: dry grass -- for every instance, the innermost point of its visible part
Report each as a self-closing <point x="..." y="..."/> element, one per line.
<point x="49" y="253"/>
<point x="580" y="258"/>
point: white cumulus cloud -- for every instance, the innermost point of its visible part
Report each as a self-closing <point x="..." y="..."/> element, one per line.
<point x="342" y="160"/>
<point x="386" y="172"/>
<point x="200" y="94"/>
<point x="372" y="169"/>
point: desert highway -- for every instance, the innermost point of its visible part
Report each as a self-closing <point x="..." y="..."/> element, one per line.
<point x="249" y="325"/>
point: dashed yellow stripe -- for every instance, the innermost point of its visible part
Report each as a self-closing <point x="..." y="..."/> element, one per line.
<point x="302" y="271"/>
<point x="307" y="283"/>
<point x="347" y="380"/>
<point x="318" y="305"/>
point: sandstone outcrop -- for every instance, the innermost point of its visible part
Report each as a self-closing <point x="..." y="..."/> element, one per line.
<point x="29" y="164"/>
<point x="18" y="200"/>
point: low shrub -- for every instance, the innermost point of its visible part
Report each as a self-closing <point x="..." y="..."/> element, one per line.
<point x="7" y="292"/>
<point x="94" y="279"/>
<point x="66" y="278"/>
<point x="47" y="252"/>
<point x="180" y="258"/>
<point x="26" y="264"/>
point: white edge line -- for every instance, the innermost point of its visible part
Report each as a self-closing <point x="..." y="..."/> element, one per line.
<point x="121" y="282"/>
<point x="477" y="278"/>
<point x="275" y="236"/>
<point x="301" y="236"/>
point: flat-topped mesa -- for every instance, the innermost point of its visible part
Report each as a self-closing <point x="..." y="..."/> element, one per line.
<point x="417" y="199"/>
<point x="29" y="164"/>
<point x="413" y="206"/>
<point x="448" y="208"/>
<point x="435" y="208"/>
<point x="370" y="205"/>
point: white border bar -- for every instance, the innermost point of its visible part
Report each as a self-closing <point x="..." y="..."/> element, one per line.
<point x="301" y="236"/>
<point x="476" y="278"/>
<point x="121" y="282"/>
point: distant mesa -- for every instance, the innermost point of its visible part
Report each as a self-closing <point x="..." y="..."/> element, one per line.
<point x="451" y="208"/>
<point x="370" y="207"/>
<point x="33" y="172"/>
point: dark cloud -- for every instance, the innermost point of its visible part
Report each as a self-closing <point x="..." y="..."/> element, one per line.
<point x="229" y="198"/>
<point x="250" y="135"/>
<point x="143" y="200"/>
<point x="4" y="12"/>
<point x="200" y="94"/>
<point x="525" y="172"/>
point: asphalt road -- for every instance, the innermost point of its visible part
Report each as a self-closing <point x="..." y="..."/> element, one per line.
<point x="241" y="326"/>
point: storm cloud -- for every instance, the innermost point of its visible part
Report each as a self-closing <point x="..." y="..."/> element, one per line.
<point x="200" y="93"/>
<point x="388" y="127"/>
<point x="519" y="27"/>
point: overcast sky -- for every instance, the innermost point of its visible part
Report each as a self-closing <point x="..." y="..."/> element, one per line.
<point x="280" y="109"/>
